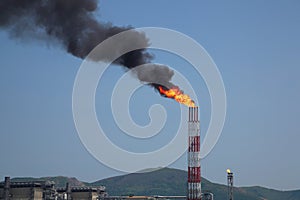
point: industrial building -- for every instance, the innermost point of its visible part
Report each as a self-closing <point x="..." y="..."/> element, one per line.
<point x="46" y="190"/>
<point x="80" y="193"/>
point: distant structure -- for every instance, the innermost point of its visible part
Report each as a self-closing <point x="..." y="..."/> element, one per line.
<point x="128" y="198"/>
<point x="80" y="193"/>
<point x="46" y="190"/>
<point x="194" y="169"/>
<point x="21" y="190"/>
<point x="155" y="197"/>
<point x="6" y="188"/>
<point x="207" y="196"/>
<point x="230" y="184"/>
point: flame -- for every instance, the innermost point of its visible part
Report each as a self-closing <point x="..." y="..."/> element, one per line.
<point x="228" y="171"/>
<point x="178" y="95"/>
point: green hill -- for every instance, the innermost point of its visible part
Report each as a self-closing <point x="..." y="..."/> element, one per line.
<point x="168" y="181"/>
<point x="161" y="182"/>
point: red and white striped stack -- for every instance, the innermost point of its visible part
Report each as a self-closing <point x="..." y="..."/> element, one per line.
<point x="194" y="168"/>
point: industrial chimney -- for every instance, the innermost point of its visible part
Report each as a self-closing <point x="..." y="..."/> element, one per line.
<point x="194" y="169"/>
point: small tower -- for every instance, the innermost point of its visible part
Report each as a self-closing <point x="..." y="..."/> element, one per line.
<point x="230" y="184"/>
<point x="6" y="191"/>
<point x="68" y="191"/>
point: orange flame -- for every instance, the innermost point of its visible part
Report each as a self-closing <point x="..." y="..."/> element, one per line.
<point x="178" y="95"/>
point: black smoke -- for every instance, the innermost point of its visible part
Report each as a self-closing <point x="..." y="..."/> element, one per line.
<point x="73" y="24"/>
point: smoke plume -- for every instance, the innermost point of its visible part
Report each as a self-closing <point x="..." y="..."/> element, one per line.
<point x="73" y="24"/>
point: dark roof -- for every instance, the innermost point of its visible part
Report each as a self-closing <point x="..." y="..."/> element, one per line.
<point x="22" y="184"/>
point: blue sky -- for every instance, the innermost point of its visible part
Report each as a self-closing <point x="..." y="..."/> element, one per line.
<point x="255" y="45"/>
